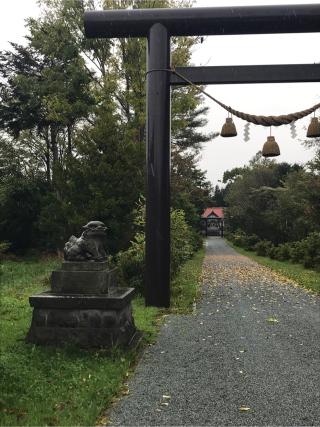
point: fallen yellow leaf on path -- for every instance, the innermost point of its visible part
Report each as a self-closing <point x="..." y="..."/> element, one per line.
<point x="244" y="408"/>
<point x="272" y="320"/>
<point x="125" y="391"/>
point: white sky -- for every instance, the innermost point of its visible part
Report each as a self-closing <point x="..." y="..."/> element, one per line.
<point x="225" y="153"/>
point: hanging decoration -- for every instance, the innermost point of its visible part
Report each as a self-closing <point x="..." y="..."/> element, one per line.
<point x="229" y="128"/>
<point x="246" y="132"/>
<point x="270" y="147"/>
<point x="293" y="130"/>
<point x="314" y="128"/>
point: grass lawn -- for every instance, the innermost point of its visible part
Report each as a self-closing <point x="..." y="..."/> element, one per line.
<point x="67" y="386"/>
<point x="309" y="279"/>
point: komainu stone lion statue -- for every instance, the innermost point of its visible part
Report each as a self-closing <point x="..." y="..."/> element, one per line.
<point x="89" y="246"/>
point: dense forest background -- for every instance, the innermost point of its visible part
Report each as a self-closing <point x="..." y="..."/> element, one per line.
<point x="275" y="201"/>
<point x="274" y="208"/>
<point x="72" y="120"/>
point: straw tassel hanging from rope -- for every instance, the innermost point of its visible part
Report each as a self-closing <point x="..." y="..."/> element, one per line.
<point x="270" y="147"/>
<point x="228" y="129"/>
<point x="314" y="128"/>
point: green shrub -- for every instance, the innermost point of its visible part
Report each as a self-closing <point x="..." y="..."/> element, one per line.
<point x="245" y="241"/>
<point x="131" y="262"/>
<point x="263" y="247"/>
<point x="311" y="251"/>
<point x="196" y="239"/>
<point x="296" y="252"/>
<point x="132" y="265"/>
<point x="4" y="246"/>
<point x="282" y="252"/>
<point x="308" y="261"/>
<point x="184" y="242"/>
<point x="317" y="263"/>
<point x="271" y="253"/>
<point x="305" y="252"/>
<point x="19" y="211"/>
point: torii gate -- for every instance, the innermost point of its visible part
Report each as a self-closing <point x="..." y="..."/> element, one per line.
<point x="158" y="25"/>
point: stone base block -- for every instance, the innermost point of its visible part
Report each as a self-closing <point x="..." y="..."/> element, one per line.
<point x="76" y="321"/>
<point x="69" y="280"/>
<point x="84" y="266"/>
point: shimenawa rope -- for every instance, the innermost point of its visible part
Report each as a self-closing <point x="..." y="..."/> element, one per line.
<point x="284" y="119"/>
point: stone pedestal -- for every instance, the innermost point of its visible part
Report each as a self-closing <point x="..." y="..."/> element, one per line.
<point x="83" y="308"/>
<point x="83" y="278"/>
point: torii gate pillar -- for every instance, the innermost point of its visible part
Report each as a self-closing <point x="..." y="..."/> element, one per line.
<point x="158" y="168"/>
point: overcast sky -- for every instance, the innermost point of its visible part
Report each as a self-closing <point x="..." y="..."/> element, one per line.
<point x="225" y="153"/>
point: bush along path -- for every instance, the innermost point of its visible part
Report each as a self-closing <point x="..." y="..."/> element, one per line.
<point x="305" y="277"/>
<point x="248" y="355"/>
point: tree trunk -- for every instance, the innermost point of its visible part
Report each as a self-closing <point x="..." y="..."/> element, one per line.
<point x="69" y="138"/>
<point x="55" y="161"/>
<point x="47" y="157"/>
<point x="54" y="147"/>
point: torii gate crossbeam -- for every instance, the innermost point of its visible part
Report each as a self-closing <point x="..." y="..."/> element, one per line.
<point x="158" y="25"/>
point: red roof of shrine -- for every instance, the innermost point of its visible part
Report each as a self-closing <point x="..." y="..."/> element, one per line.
<point x="218" y="212"/>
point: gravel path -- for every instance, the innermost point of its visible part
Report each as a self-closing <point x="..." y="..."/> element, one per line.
<point x="249" y="355"/>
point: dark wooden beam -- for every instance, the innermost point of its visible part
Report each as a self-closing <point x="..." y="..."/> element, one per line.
<point x="158" y="170"/>
<point x="242" y="74"/>
<point x="296" y="18"/>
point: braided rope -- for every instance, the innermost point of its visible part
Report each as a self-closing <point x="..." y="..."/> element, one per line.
<point x="284" y="119"/>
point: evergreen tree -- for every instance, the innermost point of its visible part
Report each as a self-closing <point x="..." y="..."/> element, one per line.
<point x="76" y="108"/>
